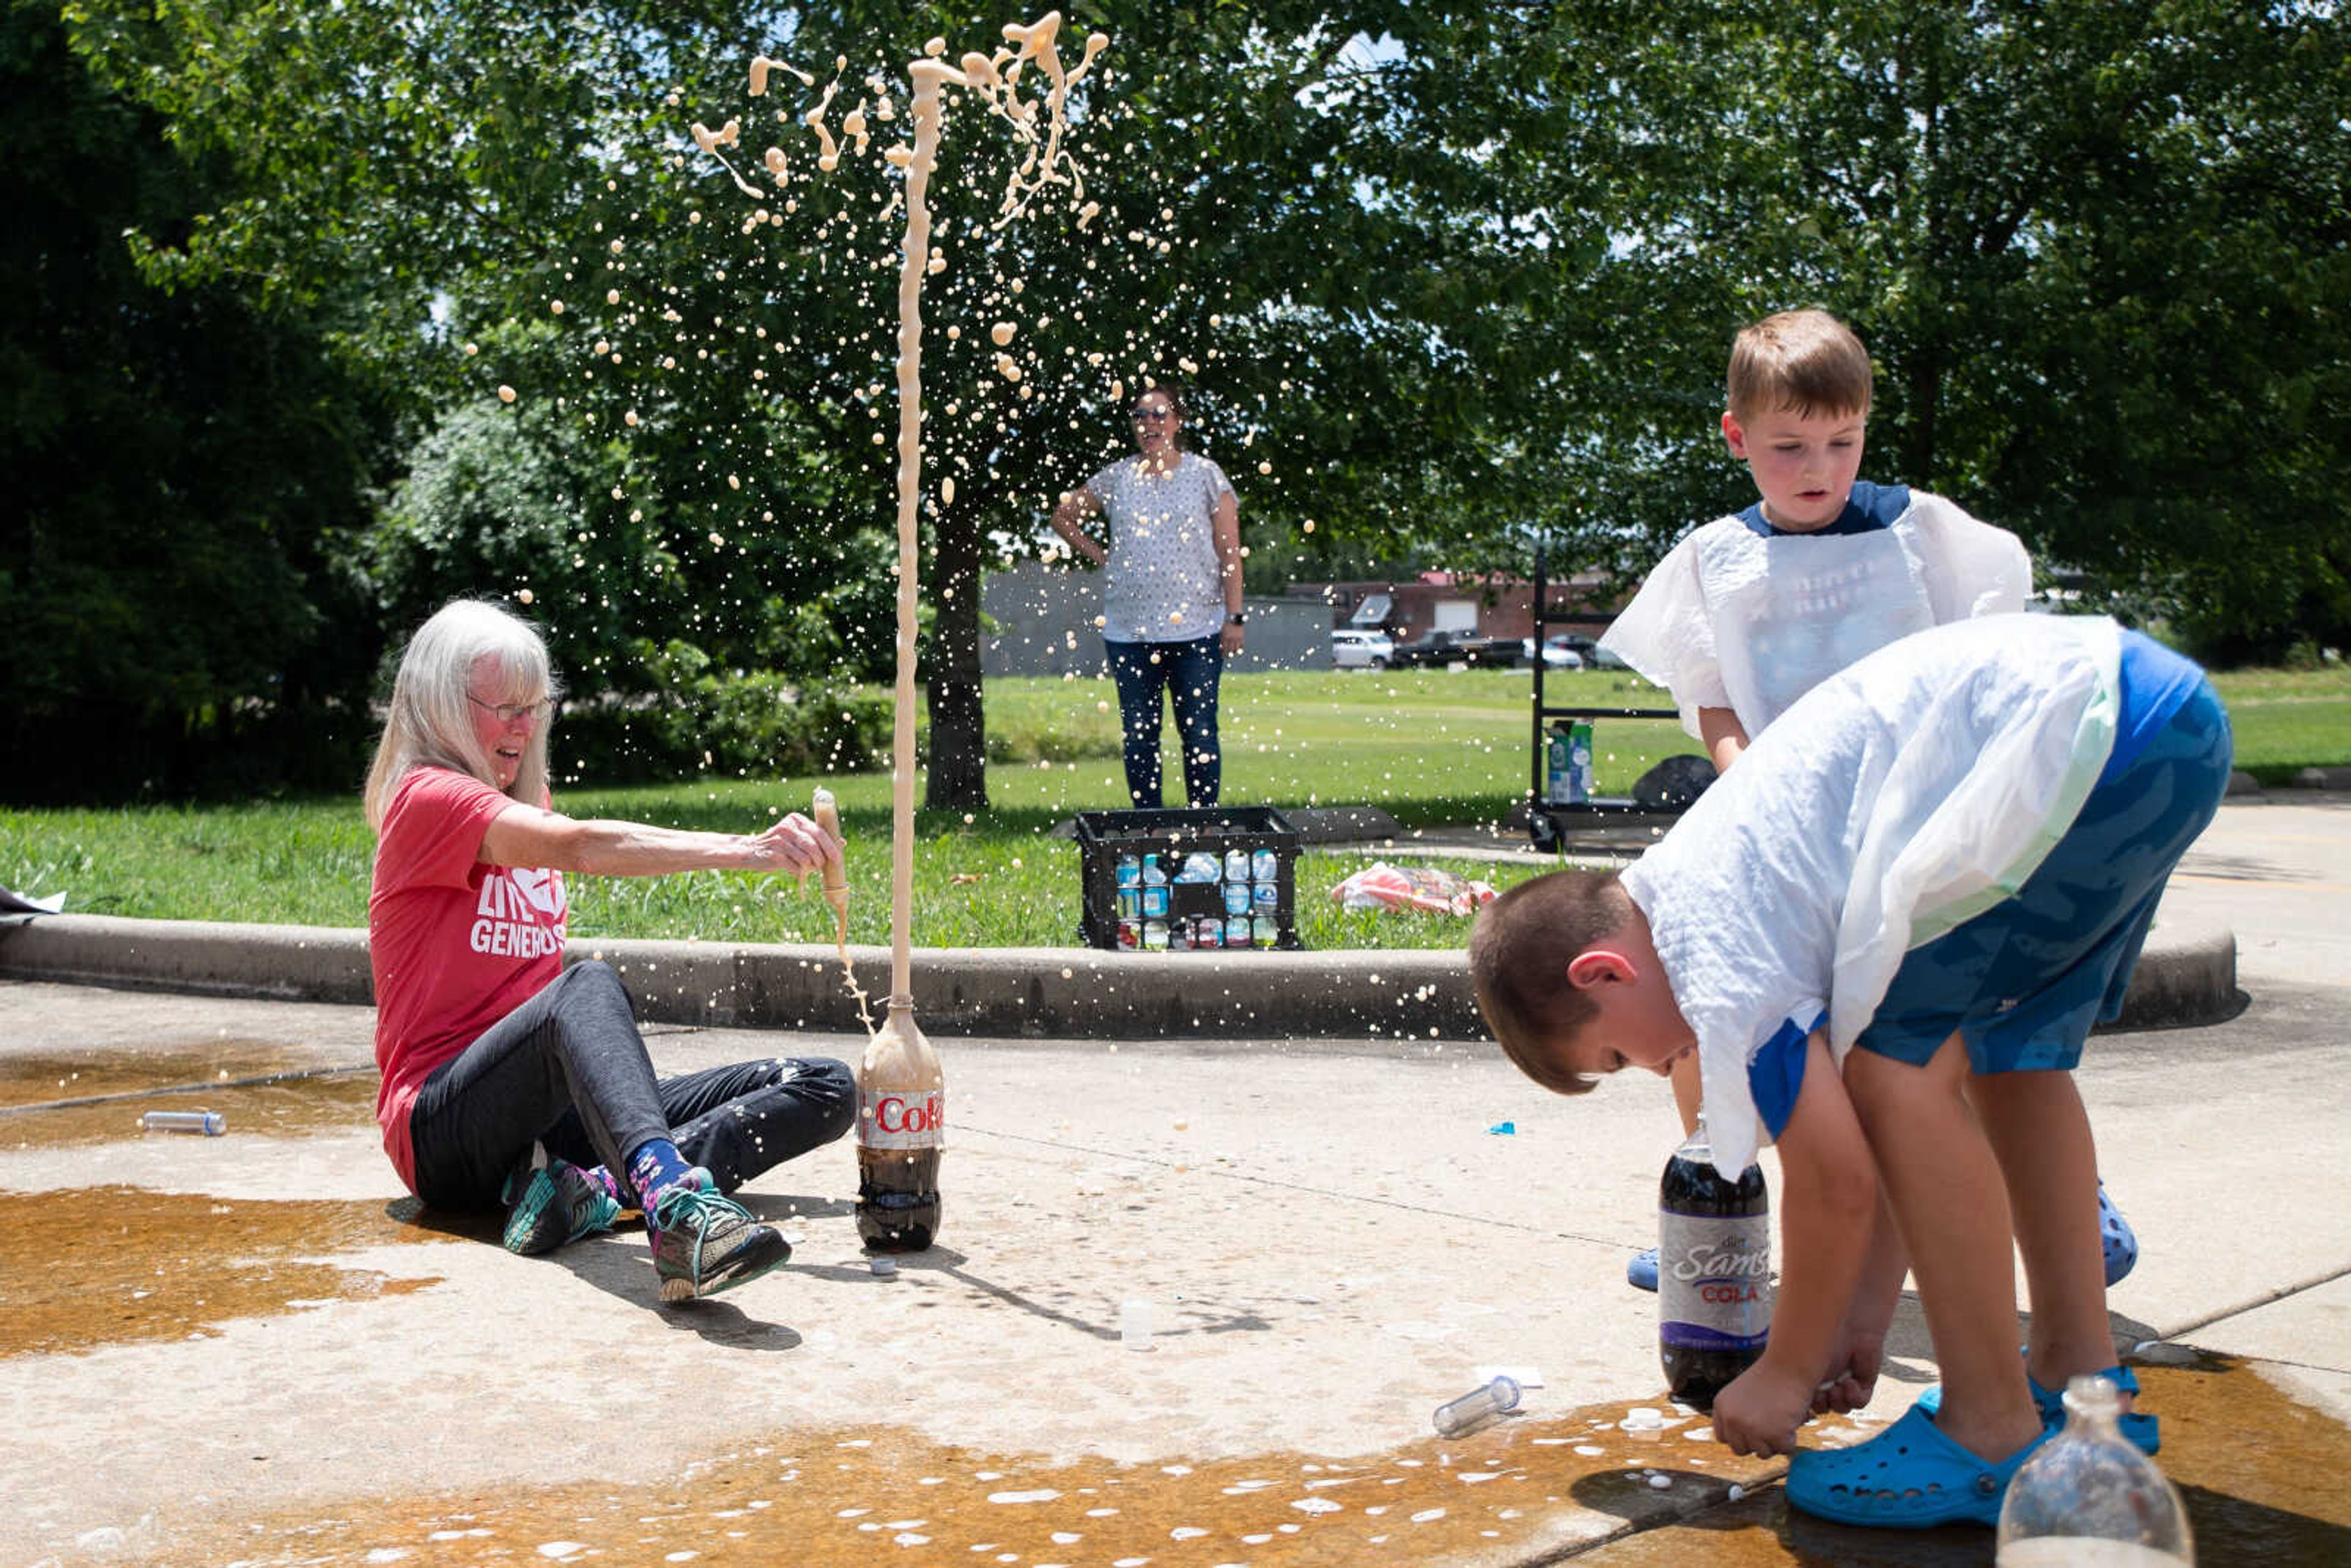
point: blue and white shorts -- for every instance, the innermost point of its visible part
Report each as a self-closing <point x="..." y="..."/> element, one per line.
<point x="2023" y="981"/>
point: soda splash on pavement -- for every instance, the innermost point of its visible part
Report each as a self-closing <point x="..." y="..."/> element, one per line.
<point x="1530" y="1488"/>
<point x="56" y="1100"/>
<point x="843" y="1497"/>
<point x="163" y="1266"/>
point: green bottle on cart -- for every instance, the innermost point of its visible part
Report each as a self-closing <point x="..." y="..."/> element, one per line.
<point x="1567" y="765"/>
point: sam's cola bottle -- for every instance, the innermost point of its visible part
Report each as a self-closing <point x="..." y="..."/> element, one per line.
<point x="901" y="1127"/>
<point x="1714" y="1272"/>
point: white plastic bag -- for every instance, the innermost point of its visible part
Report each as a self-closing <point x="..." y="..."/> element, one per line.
<point x="1422" y="887"/>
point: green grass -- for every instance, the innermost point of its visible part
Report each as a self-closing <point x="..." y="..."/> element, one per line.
<point x="2286" y="720"/>
<point x="1434" y="748"/>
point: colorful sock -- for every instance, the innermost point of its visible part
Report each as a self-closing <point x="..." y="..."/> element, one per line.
<point x="655" y="1166"/>
<point x="602" y="1177"/>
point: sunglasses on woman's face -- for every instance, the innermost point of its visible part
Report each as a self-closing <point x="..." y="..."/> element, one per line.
<point x="1142" y="415"/>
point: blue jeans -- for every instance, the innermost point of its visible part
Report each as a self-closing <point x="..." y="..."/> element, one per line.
<point x="1188" y="671"/>
<point x="568" y="1069"/>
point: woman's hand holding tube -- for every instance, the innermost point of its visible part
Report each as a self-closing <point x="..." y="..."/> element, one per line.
<point x="795" y="846"/>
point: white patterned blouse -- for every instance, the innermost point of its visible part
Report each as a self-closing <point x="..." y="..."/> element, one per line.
<point x="1161" y="583"/>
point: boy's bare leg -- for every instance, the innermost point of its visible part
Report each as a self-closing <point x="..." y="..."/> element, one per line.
<point x="1944" y="1185"/>
<point x="1682" y="1075"/>
<point x="2041" y="1136"/>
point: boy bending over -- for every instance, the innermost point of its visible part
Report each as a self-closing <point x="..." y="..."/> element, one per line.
<point x="1751" y="611"/>
<point x="1885" y="938"/>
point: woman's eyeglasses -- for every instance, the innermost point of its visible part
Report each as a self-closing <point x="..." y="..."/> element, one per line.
<point x="510" y="711"/>
<point x="1145" y="415"/>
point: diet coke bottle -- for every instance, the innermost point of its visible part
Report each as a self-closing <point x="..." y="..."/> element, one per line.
<point x="901" y="1126"/>
<point x="1714" y="1272"/>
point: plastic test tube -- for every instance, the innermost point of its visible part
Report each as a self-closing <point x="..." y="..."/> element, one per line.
<point x="1134" y="1323"/>
<point x="211" y="1123"/>
<point x="1460" y="1415"/>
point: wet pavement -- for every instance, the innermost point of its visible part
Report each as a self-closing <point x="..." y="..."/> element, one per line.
<point x="1505" y="1494"/>
<point x="255" y="1348"/>
<point x="176" y="1265"/>
<point x="88" y="1098"/>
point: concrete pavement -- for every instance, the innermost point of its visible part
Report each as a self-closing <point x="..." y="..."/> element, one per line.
<point x="250" y="1349"/>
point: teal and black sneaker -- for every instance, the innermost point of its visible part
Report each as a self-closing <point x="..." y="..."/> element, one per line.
<point x="704" y="1243"/>
<point x="550" y="1207"/>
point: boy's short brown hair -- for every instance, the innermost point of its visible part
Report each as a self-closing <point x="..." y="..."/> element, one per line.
<point x="1804" y="360"/>
<point x="1519" y="953"/>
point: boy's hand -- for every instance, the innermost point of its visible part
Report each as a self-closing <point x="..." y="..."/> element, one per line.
<point x="1828" y="1207"/>
<point x="1758" y="1412"/>
<point x="1852" y="1374"/>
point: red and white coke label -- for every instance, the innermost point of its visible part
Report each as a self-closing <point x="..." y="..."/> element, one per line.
<point x="900" y="1119"/>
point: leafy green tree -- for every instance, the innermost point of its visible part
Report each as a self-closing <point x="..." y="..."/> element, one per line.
<point x="2098" y="251"/>
<point x="479" y="188"/>
<point x="179" y="461"/>
<point x="1442" y="277"/>
<point x="1306" y="226"/>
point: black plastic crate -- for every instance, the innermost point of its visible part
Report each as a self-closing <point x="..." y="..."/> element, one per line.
<point x="1138" y="839"/>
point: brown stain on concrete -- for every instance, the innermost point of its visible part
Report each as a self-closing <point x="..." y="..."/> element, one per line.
<point x="1518" y="1487"/>
<point x="2267" y="1478"/>
<point x="2265" y="1481"/>
<point x="45" y="1100"/>
<point x="118" y="1265"/>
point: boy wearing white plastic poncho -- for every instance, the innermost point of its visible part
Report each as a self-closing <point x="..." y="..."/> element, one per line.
<point x="1885" y="936"/>
<point x="1751" y="611"/>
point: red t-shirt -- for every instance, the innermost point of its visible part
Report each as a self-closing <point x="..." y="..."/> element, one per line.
<point x="455" y="945"/>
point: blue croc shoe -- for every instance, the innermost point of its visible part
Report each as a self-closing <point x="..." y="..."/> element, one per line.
<point x="1908" y="1477"/>
<point x="1641" y="1273"/>
<point x="2140" y="1431"/>
<point x="2115" y="1236"/>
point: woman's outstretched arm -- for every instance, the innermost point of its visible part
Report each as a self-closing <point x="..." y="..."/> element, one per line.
<point x="526" y="836"/>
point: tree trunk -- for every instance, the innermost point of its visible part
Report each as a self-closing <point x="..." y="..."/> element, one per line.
<point x="959" y="754"/>
<point x="1924" y="378"/>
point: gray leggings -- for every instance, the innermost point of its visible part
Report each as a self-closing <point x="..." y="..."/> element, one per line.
<point x="568" y="1069"/>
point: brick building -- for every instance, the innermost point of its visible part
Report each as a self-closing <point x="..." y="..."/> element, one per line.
<point x="1499" y="605"/>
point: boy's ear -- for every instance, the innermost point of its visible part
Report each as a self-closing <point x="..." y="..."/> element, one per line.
<point x="1734" y="435"/>
<point x="1598" y="967"/>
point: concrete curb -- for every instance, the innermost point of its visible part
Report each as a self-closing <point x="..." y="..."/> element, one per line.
<point x="2187" y="975"/>
<point x="2308" y="781"/>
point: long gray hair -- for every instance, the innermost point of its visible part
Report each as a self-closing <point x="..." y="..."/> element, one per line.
<point x="431" y="721"/>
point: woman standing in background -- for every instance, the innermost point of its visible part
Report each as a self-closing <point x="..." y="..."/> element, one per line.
<point x="1171" y="591"/>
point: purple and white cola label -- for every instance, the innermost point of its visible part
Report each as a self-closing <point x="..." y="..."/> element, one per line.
<point x="1714" y="1281"/>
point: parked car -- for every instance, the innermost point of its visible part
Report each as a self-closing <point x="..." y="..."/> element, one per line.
<point x="1579" y="642"/>
<point x="1596" y="657"/>
<point x="1439" y="648"/>
<point x="1558" y="652"/>
<point x="1353" y="648"/>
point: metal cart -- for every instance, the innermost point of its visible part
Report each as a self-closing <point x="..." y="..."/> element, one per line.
<point x="1548" y="824"/>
